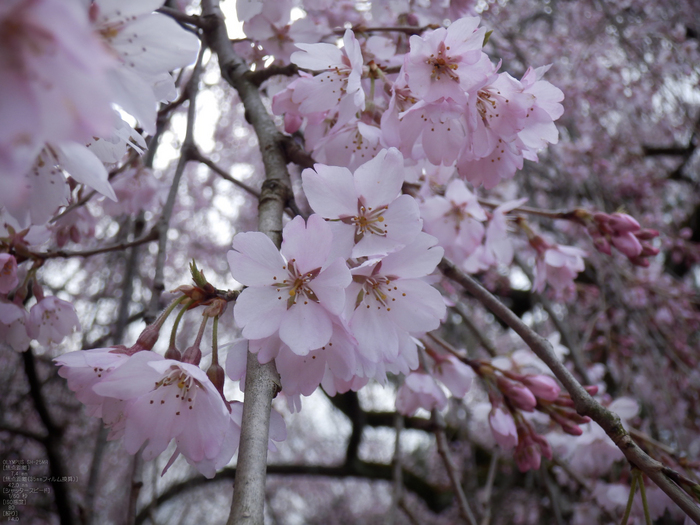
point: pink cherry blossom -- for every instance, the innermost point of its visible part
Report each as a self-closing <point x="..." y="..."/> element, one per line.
<point x="544" y="108"/>
<point x="8" y="273"/>
<point x="439" y="127"/>
<point x="419" y="390"/>
<point x="439" y="63"/>
<point x="382" y="299"/>
<point x="503" y="427"/>
<point x="498" y="246"/>
<point x="273" y="29"/>
<point x="167" y="400"/>
<point x="366" y="207"/>
<point x="502" y="163"/>
<point x="148" y="46"/>
<point x="13" y="327"/>
<point x="455" y="219"/>
<point x="455" y="375"/>
<point x="296" y="291"/>
<point x="53" y="70"/>
<point x="51" y="319"/>
<point x="338" y="87"/>
<point x="83" y="369"/>
<point x="559" y="265"/>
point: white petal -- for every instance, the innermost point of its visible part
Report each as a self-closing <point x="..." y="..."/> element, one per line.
<point x="84" y="166"/>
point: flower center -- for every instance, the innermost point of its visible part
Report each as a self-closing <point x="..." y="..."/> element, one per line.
<point x="443" y="64"/>
<point x="297" y="284"/>
<point x="376" y="291"/>
<point x="487" y="105"/>
<point x="369" y="221"/>
<point x="184" y="386"/>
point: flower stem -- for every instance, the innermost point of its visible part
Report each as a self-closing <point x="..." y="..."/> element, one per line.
<point x="630" y="500"/>
<point x="177" y="321"/>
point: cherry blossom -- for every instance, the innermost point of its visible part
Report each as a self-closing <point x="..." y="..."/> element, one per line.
<point x="503" y="427"/>
<point x="434" y="62"/>
<point x="367" y="206"/>
<point x="167" y="400"/>
<point x="13" y="327"/>
<point x="455" y="219"/>
<point x="84" y="369"/>
<point x="558" y="265"/>
<point x="296" y="291"/>
<point x="8" y="273"/>
<point x="53" y="76"/>
<point x="51" y="320"/>
<point x="454" y="374"/>
<point x="382" y="297"/>
<point x="419" y="390"/>
<point x="338" y="87"/>
<point x="148" y="45"/>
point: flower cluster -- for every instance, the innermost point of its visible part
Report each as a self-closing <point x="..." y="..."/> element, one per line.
<point x="150" y="400"/>
<point x="65" y="65"/>
<point x="48" y="321"/>
<point x="448" y="105"/>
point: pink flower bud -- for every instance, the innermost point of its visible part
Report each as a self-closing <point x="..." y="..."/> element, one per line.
<point x="602" y="245"/>
<point x="646" y="234"/>
<point x="527" y="455"/>
<point x="193" y="355"/>
<point x="521" y="397"/>
<point x="542" y="386"/>
<point x="173" y="353"/>
<point x="591" y="389"/>
<point x="147" y="339"/>
<point x="571" y="429"/>
<point x="217" y="376"/>
<point x="601" y="218"/>
<point x="628" y="244"/>
<point x="623" y="223"/>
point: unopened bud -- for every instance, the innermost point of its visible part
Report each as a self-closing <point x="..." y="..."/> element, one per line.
<point x="173" y="353"/>
<point x="217" y="376"/>
<point x="571" y="429"/>
<point x="591" y="389"/>
<point x="622" y="223"/>
<point x="521" y="396"/>
<point x="646" y="234"/>
<point x="542" y="386"/>
<point x="193" y="355"/>
<point x="147" y="339"/>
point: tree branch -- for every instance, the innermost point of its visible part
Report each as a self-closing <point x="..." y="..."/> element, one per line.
<point x="262" y="381"/>
<point x="52" y="444"/>
<point x="584" y="403"/>
<point x="436" y="499"/>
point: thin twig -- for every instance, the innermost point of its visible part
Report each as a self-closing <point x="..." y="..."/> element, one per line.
<point x="197" y="155"/>
<point x="553" y="497"/>
<point x="66" y="254"/>
<point x="488" y="488"/>
<point x="464" y="510"/>
<point x="163" y="223"/>
<point x="179" y="16"/>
